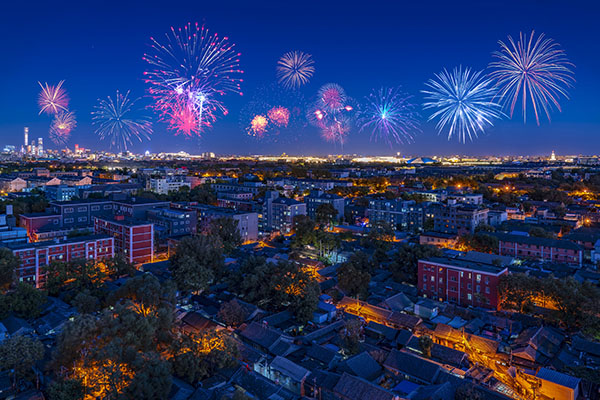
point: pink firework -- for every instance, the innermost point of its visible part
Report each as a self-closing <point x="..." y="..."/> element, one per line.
<point x="182" y="119"/>
<point x="193" y="66"/>
<point x="64" y="122"/>
<point x="53" y="99"/>
<point x="258" y="126"/>
<point x="280" y="116"/>
<point x="336" y="131"/>
<point x="332" y="96"/>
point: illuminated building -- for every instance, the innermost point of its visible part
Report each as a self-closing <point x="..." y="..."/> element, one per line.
<point x="460" y="281"/>
<point x="36" y="256"/>
<point x="133" y="238"/>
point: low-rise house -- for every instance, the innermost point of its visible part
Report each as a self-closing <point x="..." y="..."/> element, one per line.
<point x="412" y="367"/>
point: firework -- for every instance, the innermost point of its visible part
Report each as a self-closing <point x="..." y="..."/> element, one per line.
<point x="294" y="69"/>
<point x="258" y="126"/>
<point x="116" y="121"/>
<point x="463" y="103"/>
<point x="53" y="99"/>
<point x="57" y="137"/>
<point x="280" y="116"/>
<point x="332" y="97"/>
<point x="190" y="70"/>
<point x="284" y="109"/>
<point x="64" y="122"/>
<point x="390" y="115"/>
<point x="332" y="113"/>
<point x="537" y="68"/>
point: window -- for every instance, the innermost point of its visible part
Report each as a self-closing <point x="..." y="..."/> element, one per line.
<point x="478" y="289"/>
<point x="487" y="290"/>
<point x="68" y="210"/>
<point x="107" y="207"/>
<point x="487" y="280"/>
<point x="424" y="286"/>
<point x="424" y="278"/>
<point x="81" y="209"/>
<point x="469" y="286"/>
<point x="469" y="296"/>
<point x="95" y="208"/>
<point x="68" y="220"/>
<point x="441" y="280"/>
<point x="478" y="277"/>
<point x="462" y="274"/>
<point x="432" y="278"/>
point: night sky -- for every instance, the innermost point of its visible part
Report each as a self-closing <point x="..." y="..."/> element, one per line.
<point x="97" y="48"/>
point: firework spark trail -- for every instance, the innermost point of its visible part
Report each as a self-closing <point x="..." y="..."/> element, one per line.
<point x="389" y="115"/>
<point x="295" y="69"/>
<point x="463" y="102"/>
<point x="53" y="99"/>
<point x="116" y="121"/>
<point x="535" y="68"/>
<point x="188" y="72"/>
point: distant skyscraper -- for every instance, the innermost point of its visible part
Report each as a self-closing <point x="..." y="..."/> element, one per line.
<point x="553" y="156"/>
<point x="26" y="133"/>
<point x="40" y="146"/>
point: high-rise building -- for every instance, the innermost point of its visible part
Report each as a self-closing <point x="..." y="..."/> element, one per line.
<point x="26" y="133"/>
<point x="40" y="148"/>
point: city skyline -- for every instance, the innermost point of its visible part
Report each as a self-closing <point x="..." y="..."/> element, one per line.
<point x="368" y="50"/>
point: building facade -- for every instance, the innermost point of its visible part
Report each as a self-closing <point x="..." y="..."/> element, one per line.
<point x="401" y="215"/>
<point x="35" y="257"/>
<point x="461" y="282"/>
<point x="458" y="218"/>
<point x="134" y="239"/>
<point x="543" y="249"/>
<point x="318" y="197"/>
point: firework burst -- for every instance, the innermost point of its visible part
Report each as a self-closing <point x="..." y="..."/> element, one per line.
<point x="295" y="69"/>
<point x="64" y="122"/>
<point x="258" y="126"/>
<point x="390" y="116"/>
<point x="534" y="68"/>
<point x="332" y="97"/>
<point x="116" y="121"/>
<point x="463" y="103"/>
<point x="280" y="116"/>
<point x="189" y="73"/>
<point x="332" y="113"/>
<point x="53" y="99"/>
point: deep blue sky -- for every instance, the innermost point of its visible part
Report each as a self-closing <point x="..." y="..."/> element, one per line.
<point x="97" y="48"/>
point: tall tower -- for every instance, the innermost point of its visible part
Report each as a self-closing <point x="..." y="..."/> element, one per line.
<point x="40" y="146"/>
<point x="26" y="133"/>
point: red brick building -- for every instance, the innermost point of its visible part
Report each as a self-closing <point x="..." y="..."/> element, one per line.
<point x="458" y="281"/>
<point x="133" y="238"/>
<point x="544" y="249"/>
<point x="36" y="256"/>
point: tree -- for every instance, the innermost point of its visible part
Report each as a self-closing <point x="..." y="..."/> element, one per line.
<point x="232" y="313"/>
<point x="19" y="354"/>
<point x="353" y="281"/>
<point x="404" y="266"/>
<point x="351" y="335"/>
<point x="67" y="389"/>
<point x="197" y="261"/>
<point x="227" y="230"/>
<point x="85" y="302"/>
<point x="467" y="391"/>
<point x="197" y="356"/>
<point x="119" y="266"/>
<point x="380" y="236"/>
<point x="304" y="229"/>
<point x="152" y="379"/>
<point x="426" y="344"/>
<point x="325" y="214"/>
<point x="479" y="241"/>
<point x="516" y="291"/>
<point x="8" y="265"/>
<point x="26" y="301"/>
